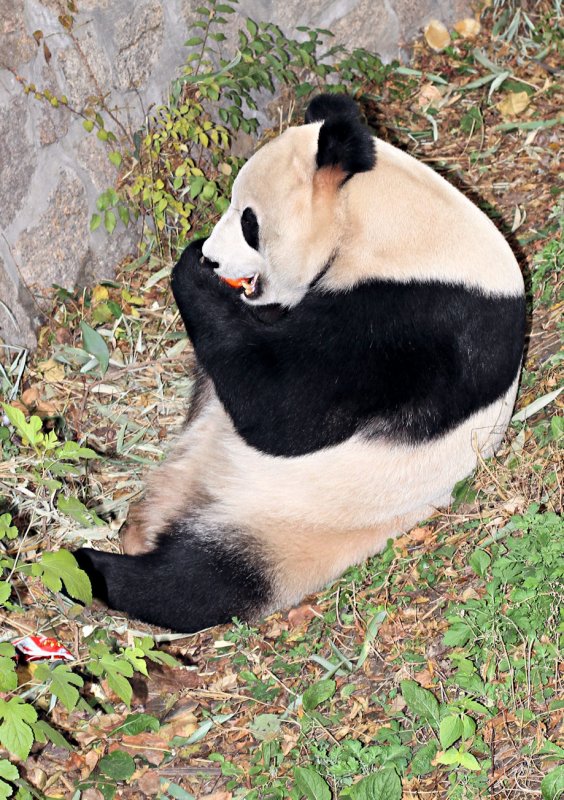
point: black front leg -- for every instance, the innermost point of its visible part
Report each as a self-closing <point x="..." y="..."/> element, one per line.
<point x="205" y="302"/>
<point x="275" y="378"/>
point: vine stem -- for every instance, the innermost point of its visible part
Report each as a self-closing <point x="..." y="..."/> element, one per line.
<point x="205" y="41"/>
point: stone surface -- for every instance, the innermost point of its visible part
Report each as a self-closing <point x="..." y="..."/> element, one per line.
<point x="18" y="46"/>
<point x="92" y="156"/>
<point x="52" y="124"/>
<point x="138" y="40"/>
<point x="17" y="158"/>
<point x="18" y="314"/>
<point x="127" y="51"/>
<point x="55" y="249"/>
<point x="86" y="68"/>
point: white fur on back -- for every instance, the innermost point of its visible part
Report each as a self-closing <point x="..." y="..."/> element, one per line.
<point x="406" y="222"/>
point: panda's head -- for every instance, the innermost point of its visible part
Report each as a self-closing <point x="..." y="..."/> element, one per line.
<point x="287" y="212"/>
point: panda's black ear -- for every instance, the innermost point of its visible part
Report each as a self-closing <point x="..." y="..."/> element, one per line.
<point x="347" y="145"/>
<point x="344" y="142"/>
<point x="325" y="106"/>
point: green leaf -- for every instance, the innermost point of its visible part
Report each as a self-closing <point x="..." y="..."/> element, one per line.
<point x="62" y="683"/>
<point x="479" y="561"/>
<point x="116" y="673"/>
<point x="61" y="567"/>
<point x="88" y="125"/>
<point x="382" y="785"/>
<point x="318" y="693"/>
<point x="464" y="491"/>
<point x="123" y="212"/>
<point x="110" y="221"/>
<point x="469" y="761"/>
<point x="103" y="202"/>
<point x="137" y="723"/>
<point x="117" y="765"/>
<point x="265" y="727"/>
<point x="95" y="221"/>
<point x="310" y="783"/>
<point x="450" y="730"/>
<point x="552" y="786"/>
<point x="121" y="687"/>
<point x="115" y="158"/>
<point x="43" y="732"/>
<point x="468" y="727"/>
<point x="457" y="635"/>
<point x="196" y="185"/>
<point x="6" y="790"/>
<point x="421" y="702"/>
<point x="15" y="731"/>
<point x="251" y="27"/>
<point x="208" y="191"/>
<point x="136" y="658"/>
<point x="421" y="764"/>
<point x="78" y="511"/>
<point x="73" y="451"/>
<point x="176" y="791"/>
<point x="147" y="645"/>
<point x="6" y="528"/>
<point x="8" y="675"/>
<point x="5" y="591"/>
<point x="450" y="756"/>
<point x="30" y="431"/>
<point x="94" y="344"/>
<point x="10" y="773"/>
<point x="472" y="120"/>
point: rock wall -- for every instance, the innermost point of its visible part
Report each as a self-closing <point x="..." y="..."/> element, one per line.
<point x="51" y="171"/>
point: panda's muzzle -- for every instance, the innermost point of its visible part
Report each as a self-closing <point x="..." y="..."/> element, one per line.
<point x="250" y="287"/>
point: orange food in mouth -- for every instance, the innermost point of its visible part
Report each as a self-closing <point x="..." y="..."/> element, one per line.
<point x="248" y="284"/>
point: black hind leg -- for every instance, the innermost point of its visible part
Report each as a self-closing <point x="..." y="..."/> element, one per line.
<point x="194" y="579"/>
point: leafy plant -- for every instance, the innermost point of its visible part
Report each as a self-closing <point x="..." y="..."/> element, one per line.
<point x="526" y="568"/>
<point x="180" y="172"/>
<point x="450" y="721"/>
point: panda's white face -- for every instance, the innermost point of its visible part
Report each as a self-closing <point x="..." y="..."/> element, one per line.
<point x="282" y="222"/>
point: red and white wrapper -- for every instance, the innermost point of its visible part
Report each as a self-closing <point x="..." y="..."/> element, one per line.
<point x="41" y="648"/>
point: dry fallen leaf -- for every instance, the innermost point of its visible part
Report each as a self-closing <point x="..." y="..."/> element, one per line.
<point x="151" y="746"/>
<point x="30" y="397"/>
<point x="467" y="28"/>
<point x="302" y="614"/>
<point x="52" y="370"/>
<point x="421" y="534"/>
<point x="436" y="35"/>
<point x="429" y="96"/>
<point x="397" y="704"/>
<point x="150" y="783"/>
<point x="99" y="294"/>
<point x="183" y="722"/>
<point x="513" y="103"/>
<point x="425" y="678"/>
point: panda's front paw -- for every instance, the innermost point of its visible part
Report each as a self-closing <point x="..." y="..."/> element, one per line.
<point x="192" y="272"/>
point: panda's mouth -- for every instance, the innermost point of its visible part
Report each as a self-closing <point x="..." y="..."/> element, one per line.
<point x="251" y="287"/>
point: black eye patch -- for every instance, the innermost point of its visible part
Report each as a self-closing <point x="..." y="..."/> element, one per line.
<point x="250" y="228"/>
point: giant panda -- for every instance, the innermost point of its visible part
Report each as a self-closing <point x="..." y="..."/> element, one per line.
<point x="367" y="360"/>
